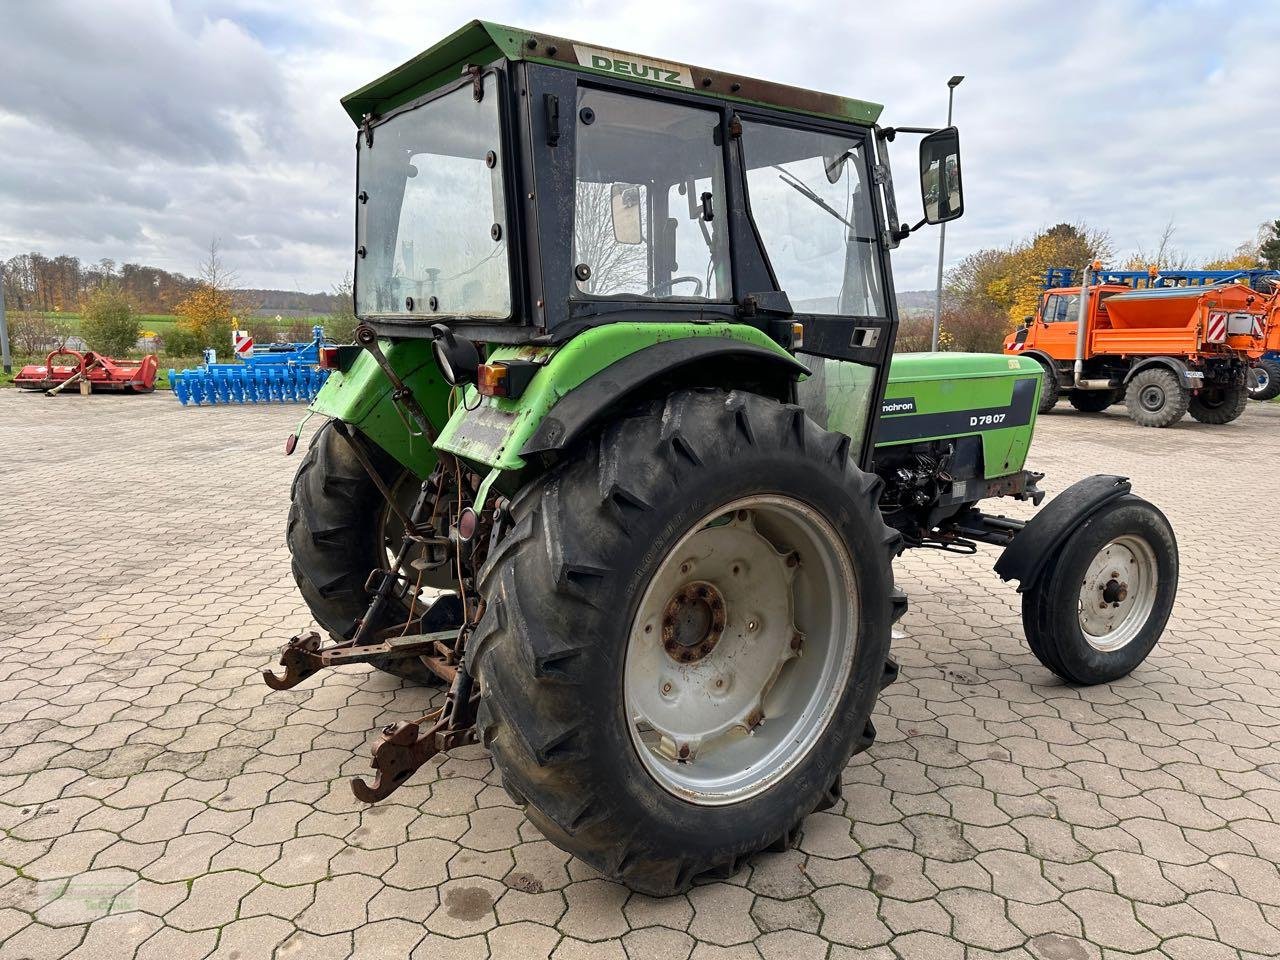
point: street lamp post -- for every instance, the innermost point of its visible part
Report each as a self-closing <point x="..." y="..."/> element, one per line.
<point x="942" y="230"/>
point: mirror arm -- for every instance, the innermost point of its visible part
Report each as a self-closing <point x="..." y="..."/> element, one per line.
<point x="905" y="231"/>
<point x="888" y="133"/>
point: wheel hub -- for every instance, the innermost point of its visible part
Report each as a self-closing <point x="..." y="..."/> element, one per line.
<point x="740" y="648"/>
<point x="1117" y="593"/>
<point x="1153" y="398"/>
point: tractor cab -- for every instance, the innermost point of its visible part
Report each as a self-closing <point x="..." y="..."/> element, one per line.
<point x="518" y="188"/>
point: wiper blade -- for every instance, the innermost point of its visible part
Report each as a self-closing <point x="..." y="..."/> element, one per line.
<point x="806" y="191"/>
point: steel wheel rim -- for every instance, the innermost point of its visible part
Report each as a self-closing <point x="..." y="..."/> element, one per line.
<point x="1152" y="398"/>
<point x="728" y="690"/>
<point x="1118" y="593"/>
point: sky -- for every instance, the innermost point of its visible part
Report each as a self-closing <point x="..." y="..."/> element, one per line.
<point x="138" y="130"/>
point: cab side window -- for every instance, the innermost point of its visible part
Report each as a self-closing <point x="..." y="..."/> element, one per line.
<point x="1061" y="308"/>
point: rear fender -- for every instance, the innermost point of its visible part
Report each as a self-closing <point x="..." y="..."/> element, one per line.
<point x="1026" y="558"/>
<point x="586" y="378"/>
<point x="1177" y="367"/>
<point x="360" y="396"/>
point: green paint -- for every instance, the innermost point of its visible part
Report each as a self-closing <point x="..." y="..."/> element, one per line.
<point x="483" y="43"/>
<point x="361" y="396"/>
<point x="947" y="382"/>
<point x="492" y="431"/>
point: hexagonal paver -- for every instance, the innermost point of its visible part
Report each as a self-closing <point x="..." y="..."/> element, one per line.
<point x="156" y="801"/>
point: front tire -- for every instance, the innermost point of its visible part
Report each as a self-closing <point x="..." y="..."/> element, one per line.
<point x="1104" y="598"/>
<point x="1219" y="405"/>
<point x="682" y="546"/>
<point x="1155" y="398"/>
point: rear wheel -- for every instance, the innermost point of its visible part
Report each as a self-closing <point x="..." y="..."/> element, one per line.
<point x="1092" y="401"/>
<point x="684" y="635"/>
<point x="1049" y="390"/>
<point x="1155" y="398"/>
<point x="1218" y="405"/>
<point x="1104" y="598"/>
<point x="1272" y="369"/>
<point x="340" y="529"/>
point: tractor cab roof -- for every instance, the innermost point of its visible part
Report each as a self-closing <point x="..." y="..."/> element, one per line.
<point x="483" y="43"/>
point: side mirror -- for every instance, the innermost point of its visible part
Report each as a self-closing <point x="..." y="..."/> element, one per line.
<point x="940" y="186"/>
<point x="1028" y="321"/>
<point x="624" y="206"/>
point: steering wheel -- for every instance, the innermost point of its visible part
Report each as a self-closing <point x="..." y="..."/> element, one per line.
<point x="668" y="284"/>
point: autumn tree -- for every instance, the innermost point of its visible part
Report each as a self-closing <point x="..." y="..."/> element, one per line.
<point x="107" y="321"/>
<point x="208" y="314"/>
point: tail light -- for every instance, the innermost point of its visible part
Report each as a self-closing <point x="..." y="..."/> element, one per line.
<point x="505" y="378"/>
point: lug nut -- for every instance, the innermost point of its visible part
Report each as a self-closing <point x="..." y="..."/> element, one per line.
<point x="684" y="751"/>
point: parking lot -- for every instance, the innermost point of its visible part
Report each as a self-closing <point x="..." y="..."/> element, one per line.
<point x="158" y="801"/>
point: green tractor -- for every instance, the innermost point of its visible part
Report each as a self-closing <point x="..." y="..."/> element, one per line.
<point x="620" y="455"/>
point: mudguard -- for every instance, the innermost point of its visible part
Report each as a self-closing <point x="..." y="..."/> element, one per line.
<point x="606" y="362"/>
<point x="1173" y="364"/>
<point x="1036" y="543"/>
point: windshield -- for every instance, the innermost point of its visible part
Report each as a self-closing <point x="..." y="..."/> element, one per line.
<point x="811" y="202"/>
<point x="432" y="221"/>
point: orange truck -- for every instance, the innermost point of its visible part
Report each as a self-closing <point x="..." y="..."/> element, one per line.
<point x="1166" y="350"/>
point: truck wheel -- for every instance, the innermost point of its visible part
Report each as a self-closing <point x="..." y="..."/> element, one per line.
<point x="1271" y="368"/>
<point x="1049" y="389"/>
<point x="1105" y="596"/>
<point x="1092" y="401"/>
<point x="337" y="532"/>
<point x="1154" y="398"/>
<point x="1218" y="405"/>
<point x="684" y="635"/>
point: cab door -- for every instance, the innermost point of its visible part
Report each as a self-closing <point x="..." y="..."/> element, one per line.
<point x="1054" y="329"/>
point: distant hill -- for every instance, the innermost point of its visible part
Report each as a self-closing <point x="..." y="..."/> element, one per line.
<point x="913" y="301"/>
<point x="33" y="281"/>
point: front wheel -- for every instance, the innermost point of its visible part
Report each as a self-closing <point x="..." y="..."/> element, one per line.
<point x="1219" y="405"/>
<point x="1103" y="600"/>
<point x="684" y="635"/>
<point x="1155" y="398"/>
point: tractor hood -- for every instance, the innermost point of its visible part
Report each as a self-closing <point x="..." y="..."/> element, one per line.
<point x="483" y="43"/>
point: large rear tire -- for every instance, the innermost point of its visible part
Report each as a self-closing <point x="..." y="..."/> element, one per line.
<point x="693" y="570"/>
<point x="1219" y="405"/>
<point x="1155" y="398"/>
<point x="336" y="537"/>
<point x="1104" y="598"/>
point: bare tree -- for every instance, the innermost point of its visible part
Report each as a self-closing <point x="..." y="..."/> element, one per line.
<point x="615" y="267"/>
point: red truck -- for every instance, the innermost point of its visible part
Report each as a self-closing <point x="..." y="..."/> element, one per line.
<point x="1165" y="349"/>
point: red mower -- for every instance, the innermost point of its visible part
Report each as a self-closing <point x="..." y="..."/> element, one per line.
<point x="91" y="371"/>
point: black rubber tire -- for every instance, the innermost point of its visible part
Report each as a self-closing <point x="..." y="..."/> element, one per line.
<point x="1050" y="608"/>
<point x="561" y="590"/>
<point x="1092" y="401"/>
<point x="1050" y="392"/>
<point x="1273" y="384"/>
<point x="333" y="541"/>
<point x="1174" y="398"/>
<point x="1219" y="405"/>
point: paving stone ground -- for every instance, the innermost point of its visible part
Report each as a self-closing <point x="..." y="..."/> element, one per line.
<point x="157" y="801"/>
